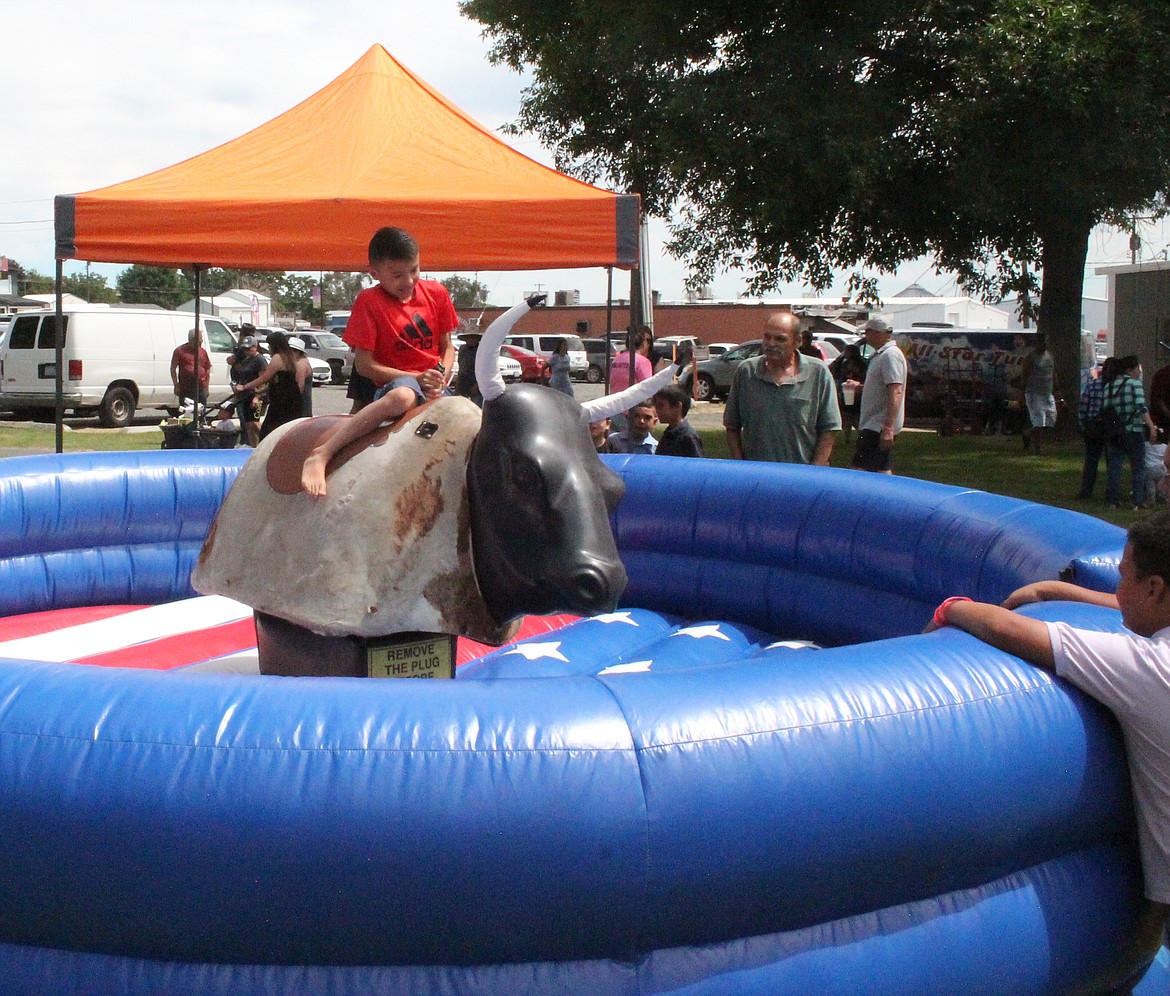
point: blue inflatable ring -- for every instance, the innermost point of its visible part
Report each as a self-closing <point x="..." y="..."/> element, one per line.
<point x="895" y="813"/>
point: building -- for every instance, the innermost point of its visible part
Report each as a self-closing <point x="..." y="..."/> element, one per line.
<point x="1139" y="311"/>
<point x="917" y="306"/>
<point x="737" y="321"/>
<point x="236" y="307"/>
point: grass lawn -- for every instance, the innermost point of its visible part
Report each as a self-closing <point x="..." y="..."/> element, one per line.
<point x="997" y="464"/>
<point x="42" y="439"/>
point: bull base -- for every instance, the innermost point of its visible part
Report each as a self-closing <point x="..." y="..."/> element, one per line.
<point x="290" y="650"/>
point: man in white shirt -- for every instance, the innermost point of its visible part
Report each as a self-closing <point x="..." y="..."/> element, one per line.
<point x="1129" y="673"/>
<point x="883" y="400"/>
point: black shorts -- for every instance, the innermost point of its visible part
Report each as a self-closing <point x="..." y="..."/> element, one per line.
<point x="869" y="454"/>
<point x="360" y="388"/>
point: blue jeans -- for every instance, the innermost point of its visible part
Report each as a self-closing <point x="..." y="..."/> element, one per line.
<point x="1093" y="450"/>
<point x="412" y="383"/>
<point x="1134" y="447"/>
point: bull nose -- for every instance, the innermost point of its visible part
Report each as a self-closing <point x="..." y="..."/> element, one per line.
<point x="591" y="589"/>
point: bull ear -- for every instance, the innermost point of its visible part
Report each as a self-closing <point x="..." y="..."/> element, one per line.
<point x="611" y="404"/>
<point x="487" y="357"/>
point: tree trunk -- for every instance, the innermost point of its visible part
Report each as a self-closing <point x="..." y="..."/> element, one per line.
<point x="1065" y="249"/>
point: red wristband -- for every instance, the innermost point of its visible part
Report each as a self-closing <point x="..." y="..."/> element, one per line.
<point x="940" y="614"/>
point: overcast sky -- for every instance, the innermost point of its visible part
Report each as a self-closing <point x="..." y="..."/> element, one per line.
<point x="95" y="93"/>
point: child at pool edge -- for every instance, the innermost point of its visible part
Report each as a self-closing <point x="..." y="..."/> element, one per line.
<point x="1128" y="673"/>
<point x="406" y="351"/>
<point x="599" y="433"/>
<point x="671" y="405"/>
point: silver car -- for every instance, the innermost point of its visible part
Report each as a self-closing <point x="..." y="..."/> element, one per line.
<point x="714" y="375"/>
<point x="329" y="347"/>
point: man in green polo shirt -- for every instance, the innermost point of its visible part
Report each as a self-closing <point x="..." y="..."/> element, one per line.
<point x="783" y="405"/>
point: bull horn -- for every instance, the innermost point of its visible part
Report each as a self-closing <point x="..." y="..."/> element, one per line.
<point x="611" y="404"/>
<point x="487" y="357"/>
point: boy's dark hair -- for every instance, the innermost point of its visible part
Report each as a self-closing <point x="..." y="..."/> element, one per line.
<point x="1149" y="539"/>
<point x="674" y="395"/>
<point x="392" y="244"/>
<point x="644" y="403"/>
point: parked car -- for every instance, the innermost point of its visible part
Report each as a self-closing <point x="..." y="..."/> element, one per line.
<point x="329" y="347"/>
<point x="543" y="345"/>
<point x="718" y="348"/>
<point x="595" y="356"/>
<point x="678" y="349"/>
<point x="510" y="368"/>
<point x="533" y="369"/>
<point x="828" y="350"/>
<point x="714" y="374"/>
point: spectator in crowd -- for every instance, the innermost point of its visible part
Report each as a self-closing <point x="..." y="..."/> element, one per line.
<point x="671" y="405"/>
<point x="290" y="379"/>
<point x="642" y="343"/>
<point x="883" y="400"/>
<point x="1092" y="432"/>
<point x="807" y="346"/>
<point x="249" y="364"/>
<point x="191" y="370"/>
<point x="783" y="405"/>
<point x="1155" y="465"/>
<point x="559" y="364"/>
<point x="1160" y="398"/>
<point x="1128" y="672"/>
<point x="466" y="385"/>
<point x="599" y="431"/>
<point x="1041" y="393"/>
<point x="638" y="353"/>
<point x="636" y="437"/>
<point x="1124" y="395"/>
<point x="848" y="371"/>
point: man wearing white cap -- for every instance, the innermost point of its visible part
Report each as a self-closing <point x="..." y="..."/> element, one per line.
<point x="883" y="400"/>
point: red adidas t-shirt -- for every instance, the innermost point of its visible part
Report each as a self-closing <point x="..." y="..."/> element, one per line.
<point x="406" y="335"/>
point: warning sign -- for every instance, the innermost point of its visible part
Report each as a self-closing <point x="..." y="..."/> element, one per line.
<point x="412" y="655"/>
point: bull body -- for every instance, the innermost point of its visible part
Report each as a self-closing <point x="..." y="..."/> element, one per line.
<point x="403" y="542"/>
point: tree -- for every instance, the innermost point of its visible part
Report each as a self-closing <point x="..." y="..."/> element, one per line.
<point x="795" y="139"/>
<point x="338" y="290"/>
<point x="465" y="292"/>
<point x="89" y="287"/>
<point x="153" y="285"/>
<point x="295" y="296"/>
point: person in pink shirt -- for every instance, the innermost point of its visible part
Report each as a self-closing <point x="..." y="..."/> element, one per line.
<point x="619" y="367"/>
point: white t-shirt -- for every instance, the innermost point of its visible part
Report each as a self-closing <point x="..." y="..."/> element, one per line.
<point x="1130" y="675"/>
<point x="887" y="366"/>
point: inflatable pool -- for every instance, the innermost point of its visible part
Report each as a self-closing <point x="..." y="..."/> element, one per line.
<point x="893" y="813"/>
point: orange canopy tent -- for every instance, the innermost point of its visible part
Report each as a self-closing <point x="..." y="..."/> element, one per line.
<point x="305" y="191"/>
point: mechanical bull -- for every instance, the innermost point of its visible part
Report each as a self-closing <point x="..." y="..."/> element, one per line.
<point x="451" y="520"/>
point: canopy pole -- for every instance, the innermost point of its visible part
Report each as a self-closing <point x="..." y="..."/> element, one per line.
<point x="198" y="345"/>
<point x="608" y="319"/>
<point x="59" y="359"/>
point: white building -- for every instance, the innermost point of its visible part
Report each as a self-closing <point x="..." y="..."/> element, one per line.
<point x="236" y="307"/>
<point x="917" y="305"/>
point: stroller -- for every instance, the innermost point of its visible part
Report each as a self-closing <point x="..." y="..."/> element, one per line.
<point x="216" y="429"/>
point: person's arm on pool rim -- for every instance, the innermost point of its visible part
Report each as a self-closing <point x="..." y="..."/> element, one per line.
<point x="999" y="627"/>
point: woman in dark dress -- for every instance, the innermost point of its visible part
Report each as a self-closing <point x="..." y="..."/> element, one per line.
<point x="289" y="377"/>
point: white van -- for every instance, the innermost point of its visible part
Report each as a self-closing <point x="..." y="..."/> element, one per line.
<point x="543" y="345"/>
<point x="116" y="360"/>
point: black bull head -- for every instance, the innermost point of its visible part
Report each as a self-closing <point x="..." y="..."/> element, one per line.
<point x="540" y="503"/>
<point x="539" y="497"/>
